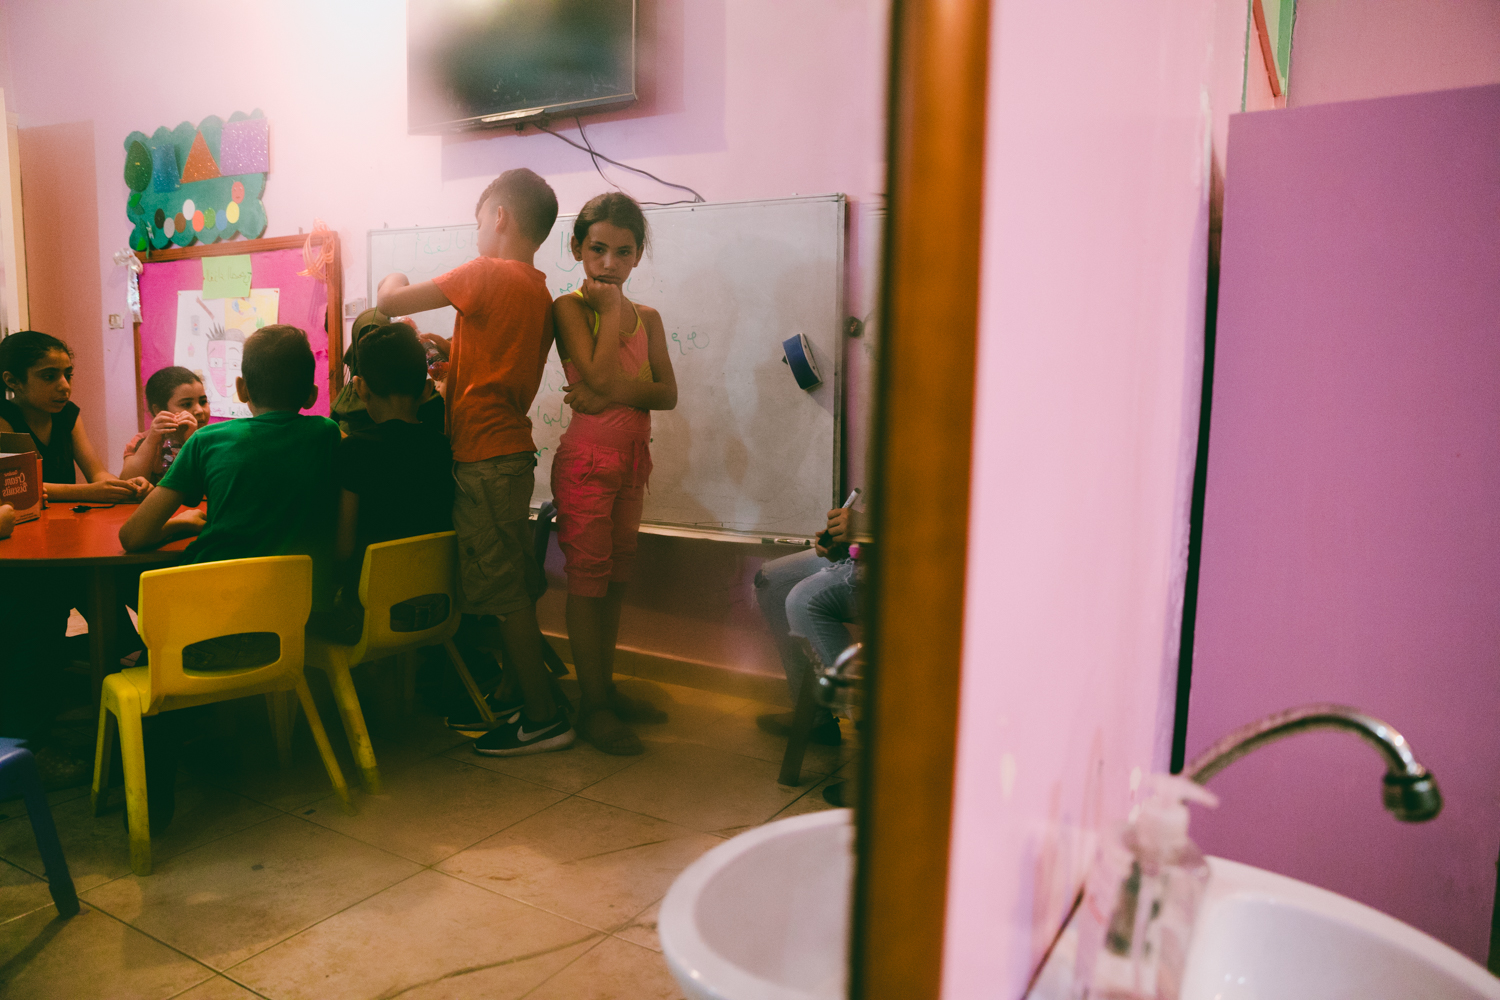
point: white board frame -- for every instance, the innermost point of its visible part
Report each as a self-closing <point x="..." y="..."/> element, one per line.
<point x="838" y="334"/>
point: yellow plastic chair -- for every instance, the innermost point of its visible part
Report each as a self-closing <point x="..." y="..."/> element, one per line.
<point x="418" y="574"/>
<point x="190" y="604"/>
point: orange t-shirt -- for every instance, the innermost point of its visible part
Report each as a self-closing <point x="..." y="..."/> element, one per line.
<point x="500" y="343"/>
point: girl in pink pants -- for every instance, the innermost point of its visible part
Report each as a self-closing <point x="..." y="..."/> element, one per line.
<point x="614" y="352"/>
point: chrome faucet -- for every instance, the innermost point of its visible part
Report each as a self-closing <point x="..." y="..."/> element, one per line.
<point x="1410" y="792"/>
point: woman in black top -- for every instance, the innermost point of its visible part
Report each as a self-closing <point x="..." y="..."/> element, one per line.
<point x="38" y="370"/>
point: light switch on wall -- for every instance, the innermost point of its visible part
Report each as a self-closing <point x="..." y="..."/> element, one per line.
<point x="115" y="322"/>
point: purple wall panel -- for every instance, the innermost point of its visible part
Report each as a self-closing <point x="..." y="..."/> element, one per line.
<point x="1351" y="541"/>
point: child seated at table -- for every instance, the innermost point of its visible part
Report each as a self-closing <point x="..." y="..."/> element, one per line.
<point x="179" y="407"/>
<point x="270" y="491"/>
<point x="37" y="369"/>
<point x="395" y="476"/>
<point x="267" y="478"/>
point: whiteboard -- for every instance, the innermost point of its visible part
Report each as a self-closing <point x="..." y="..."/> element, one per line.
<point x="745" y="450"/>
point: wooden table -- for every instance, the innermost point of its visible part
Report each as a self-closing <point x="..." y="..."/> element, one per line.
<point x="90" y="541"/>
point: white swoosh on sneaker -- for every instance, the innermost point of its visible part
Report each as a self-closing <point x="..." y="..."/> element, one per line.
<point x="524" y="736"/>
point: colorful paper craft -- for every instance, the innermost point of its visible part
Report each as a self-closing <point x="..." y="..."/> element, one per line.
<point x="202" y="183"/>
<point x="245" y="147"/>
<point x="200" y="162"/>
<point x="210" y="340"/>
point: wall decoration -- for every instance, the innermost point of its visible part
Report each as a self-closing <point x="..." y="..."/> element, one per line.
<point x="197" y="184"/>
<point x="210" y="340"/>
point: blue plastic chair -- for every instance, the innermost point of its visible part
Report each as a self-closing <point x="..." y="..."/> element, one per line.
<point x="18" y="773"/>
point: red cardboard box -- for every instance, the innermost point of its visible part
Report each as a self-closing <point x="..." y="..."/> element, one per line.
<point x="21" y="476"/>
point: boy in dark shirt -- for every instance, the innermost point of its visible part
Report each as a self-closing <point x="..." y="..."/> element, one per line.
<point x="395" y="476"/>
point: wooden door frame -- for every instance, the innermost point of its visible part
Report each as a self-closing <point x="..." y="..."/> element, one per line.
<point x="920" y="462"/>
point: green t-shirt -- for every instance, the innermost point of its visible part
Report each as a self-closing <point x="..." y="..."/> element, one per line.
<point x="270" y="489"/>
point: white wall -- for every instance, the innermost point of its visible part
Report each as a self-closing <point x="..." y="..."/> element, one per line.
<point x="740" y="100"/>
<point x="1091" y="330"/>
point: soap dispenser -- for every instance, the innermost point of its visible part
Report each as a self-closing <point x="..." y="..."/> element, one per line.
<point x="1141" y="900"/>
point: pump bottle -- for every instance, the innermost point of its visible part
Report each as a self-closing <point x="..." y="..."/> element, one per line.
<point x="1141" y="900"/>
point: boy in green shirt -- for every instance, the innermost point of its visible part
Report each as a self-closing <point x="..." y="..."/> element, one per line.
<point x="268" y="479"/>
<point x="269" y="484"/>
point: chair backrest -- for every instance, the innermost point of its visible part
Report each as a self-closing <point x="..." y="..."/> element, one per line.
<point x="190" y="604"/>
<point x="402" y="571"/>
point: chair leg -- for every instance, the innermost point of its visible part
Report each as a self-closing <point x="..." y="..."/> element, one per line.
<point x="59" y="879"/>
<point x="409" y="664"/>
<point x="468" y="679"/>
<point x="802" y="723"/>
<point x="133" y="756"/>
<point x="325" y="748"/>
<point x="103" y="752"/>
<point x="283" y="712"/>
<point x="347" y="700"/>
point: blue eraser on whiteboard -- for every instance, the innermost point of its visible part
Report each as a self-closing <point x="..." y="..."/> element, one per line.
<point x="799" y="357"/>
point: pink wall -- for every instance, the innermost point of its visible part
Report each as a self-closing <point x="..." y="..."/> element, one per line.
<point x="1091" y="332"/>
<point x="1345" y="50"/>
<point x="1350" y="547"/>
<point x="740" y="100"/>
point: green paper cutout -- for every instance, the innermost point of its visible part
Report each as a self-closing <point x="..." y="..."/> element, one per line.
<point x="226" y="277"/>
<point x="210" y="196"/>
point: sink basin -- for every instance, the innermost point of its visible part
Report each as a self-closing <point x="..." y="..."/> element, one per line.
<point x="765" y="916"/>
<point x="1261" y="935"/>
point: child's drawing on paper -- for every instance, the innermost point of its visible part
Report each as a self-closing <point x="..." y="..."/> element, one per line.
<point x="210" y="341"/>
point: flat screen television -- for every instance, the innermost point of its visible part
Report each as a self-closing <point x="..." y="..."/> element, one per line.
<point x="479" y="63"/>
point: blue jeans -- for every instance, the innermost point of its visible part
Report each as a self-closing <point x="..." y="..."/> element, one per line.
<point x="804" y="596"/>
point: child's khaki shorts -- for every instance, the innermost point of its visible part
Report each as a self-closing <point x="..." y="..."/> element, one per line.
<point x="497" y="573"/>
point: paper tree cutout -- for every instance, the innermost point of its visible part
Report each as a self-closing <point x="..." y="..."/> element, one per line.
<point x="197" y="184"/>
<point x="200" y="162"/>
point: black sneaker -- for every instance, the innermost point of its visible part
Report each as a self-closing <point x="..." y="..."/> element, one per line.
<point x="515" y="736"/>
<point x="466" y="719"/>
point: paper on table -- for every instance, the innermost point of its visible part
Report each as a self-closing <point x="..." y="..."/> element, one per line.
<point x="210" y="340"/>
<point x="226" y="277"/>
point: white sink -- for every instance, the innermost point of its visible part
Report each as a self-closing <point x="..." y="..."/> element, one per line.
<point x="1261" y="936"/>
<point x="765" y="916"/>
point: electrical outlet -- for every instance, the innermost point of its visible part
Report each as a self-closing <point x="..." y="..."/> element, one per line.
<point x="353" y="307"/>
<point x="115" y="322"/>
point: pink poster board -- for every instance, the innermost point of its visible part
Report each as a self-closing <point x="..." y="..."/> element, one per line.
<point x="304" y="303"/>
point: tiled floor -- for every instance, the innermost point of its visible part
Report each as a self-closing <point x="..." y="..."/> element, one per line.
<point x="471" y="876"/>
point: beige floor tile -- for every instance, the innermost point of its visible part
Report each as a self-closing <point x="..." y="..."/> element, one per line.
<point x="11" y="808"/>
<point x="430" y="936"/>
<point x="813" y="801"/>
<point x="236" y="896"/>
<point x="570" y="770"/>
<point x="436" y="808"/>
<point x="400" y="742"/>
<point x="584" y="860"/>
<point x="90" y="955"/>
<point x="615" y="970"/>
<point x="97" y="849"/>
<point x="21" y="892"/>
<point x="738" y="733"/>
<point x="641" y="929"/>
<point x="218" y="988"/>
<point x="699" y="787"/>
<point x="254" y="772"/>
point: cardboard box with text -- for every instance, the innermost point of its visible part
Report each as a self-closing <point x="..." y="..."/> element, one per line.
<point x="21" y="476"/>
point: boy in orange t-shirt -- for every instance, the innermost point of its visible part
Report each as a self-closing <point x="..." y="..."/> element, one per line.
<point x="500" y="343"/>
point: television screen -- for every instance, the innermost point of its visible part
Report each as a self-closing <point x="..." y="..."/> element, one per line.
<point x="472" y="63"/>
